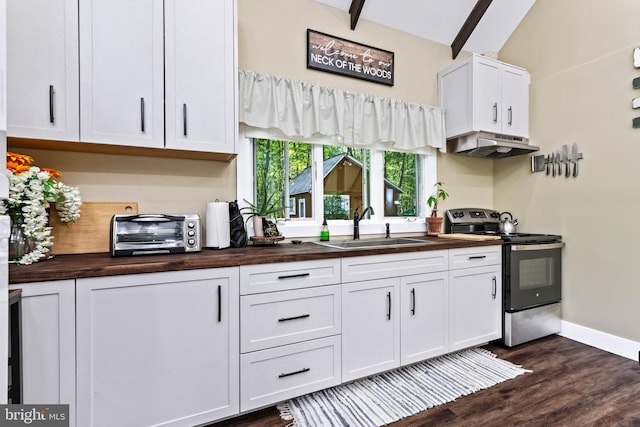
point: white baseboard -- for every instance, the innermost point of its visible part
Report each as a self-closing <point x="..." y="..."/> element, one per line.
<point x="607" y="342"/>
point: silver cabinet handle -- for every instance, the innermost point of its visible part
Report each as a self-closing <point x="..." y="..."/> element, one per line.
<point x="389" y="306"/>
<point x="52" y="92"/>
<point x="142" y="114"/>
<point x="495" y="112"/>
<point x="494" y="282"/>
<point x="510" y="121"/>
<point x="478" y="257"/>
<point x="184" y="119"/>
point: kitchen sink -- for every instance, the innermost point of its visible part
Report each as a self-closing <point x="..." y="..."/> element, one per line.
<point x="373" y="243"/>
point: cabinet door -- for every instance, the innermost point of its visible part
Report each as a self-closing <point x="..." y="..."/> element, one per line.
<point x="424" y="316"/>
<point x="370" y="327"/>
<point x="475" y="313"/>
<point x="121" y="72"/>
<point x="488" y="108"/>
<point x="158" y="348"/>
<point x="42" y="50"/>
<point x="200" y="75"/>
<point x="515" y="101"/>
<point x="49" y="343"/>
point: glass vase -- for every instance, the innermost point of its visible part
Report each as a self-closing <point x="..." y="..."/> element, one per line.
<point x="19" y="242"/>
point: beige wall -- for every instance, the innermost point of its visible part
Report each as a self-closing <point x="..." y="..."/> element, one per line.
<point x="579" y="54"/>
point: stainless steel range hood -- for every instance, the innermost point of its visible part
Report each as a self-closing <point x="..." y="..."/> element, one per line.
<point x="490" y="145"/>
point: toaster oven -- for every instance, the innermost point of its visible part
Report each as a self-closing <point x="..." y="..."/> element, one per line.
<point x="146" y="234"/>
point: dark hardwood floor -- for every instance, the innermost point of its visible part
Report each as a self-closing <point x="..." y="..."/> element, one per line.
<point x="572" y="384"/>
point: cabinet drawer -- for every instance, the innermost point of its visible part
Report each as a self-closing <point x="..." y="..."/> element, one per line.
<point x="288" y="275"/>
<point x="279" y="318"/>
<point x="361" y="268"/>
<point x="474" y="257"/>
<point x="280" y="373"/>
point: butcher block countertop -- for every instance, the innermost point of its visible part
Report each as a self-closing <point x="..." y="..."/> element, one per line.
<point x="76" y="266"/>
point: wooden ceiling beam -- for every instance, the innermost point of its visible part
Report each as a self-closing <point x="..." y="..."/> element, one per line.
<point x="467" y="28"/>
<point x="354" y="11"/>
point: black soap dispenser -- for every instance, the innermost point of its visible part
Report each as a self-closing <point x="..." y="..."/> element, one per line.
<point x="324" y="231"/>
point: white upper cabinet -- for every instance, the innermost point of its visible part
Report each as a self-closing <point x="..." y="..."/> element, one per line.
<point x="121" y="72"/>
<point x="42" y="61"/>
<point x="200" y="74"/>
<point x="135" y="55"/>
<point x="482" y="94"/>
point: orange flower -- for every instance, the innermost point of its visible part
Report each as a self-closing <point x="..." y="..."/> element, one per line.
<point x="18" y="163"/>
<point x="52" y="172"/>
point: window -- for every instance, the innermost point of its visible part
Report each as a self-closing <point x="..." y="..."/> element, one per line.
<point x="400" y="184"/>
<point x="313" y="182"/>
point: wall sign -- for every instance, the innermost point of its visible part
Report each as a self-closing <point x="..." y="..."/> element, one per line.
<point x="347" y="58"/>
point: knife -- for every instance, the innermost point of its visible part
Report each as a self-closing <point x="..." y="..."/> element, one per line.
<point x="574" y="156"/>
<point x="553" y="164"/>
<point x="558" y="162"/>
<point x="565" y="159"/>
<point x="548" y="164"/>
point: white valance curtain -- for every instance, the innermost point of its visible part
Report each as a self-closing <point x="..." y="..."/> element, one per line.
<point x="308" y="112"/>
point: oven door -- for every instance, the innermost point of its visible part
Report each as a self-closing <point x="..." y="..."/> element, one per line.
<point x="533" y="275"/>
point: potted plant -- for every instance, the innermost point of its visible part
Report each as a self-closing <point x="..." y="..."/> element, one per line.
<point x="264" y="207"/>
<point x="434" y="222"/>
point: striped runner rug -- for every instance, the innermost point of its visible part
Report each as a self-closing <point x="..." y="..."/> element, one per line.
<point x="390" y="396"/>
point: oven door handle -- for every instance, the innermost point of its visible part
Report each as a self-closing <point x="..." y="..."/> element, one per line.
<point x="540" y="247"/>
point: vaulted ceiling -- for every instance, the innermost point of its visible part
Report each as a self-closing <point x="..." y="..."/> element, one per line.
<point x="443" y="21"/>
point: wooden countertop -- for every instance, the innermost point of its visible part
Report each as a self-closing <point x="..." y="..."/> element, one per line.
<point x="63" y="267"/>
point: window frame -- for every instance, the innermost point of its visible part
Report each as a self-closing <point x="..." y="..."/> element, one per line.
<point x="310" y="227"/>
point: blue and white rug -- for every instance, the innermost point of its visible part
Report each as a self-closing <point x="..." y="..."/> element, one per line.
<point x="390" y="396"/>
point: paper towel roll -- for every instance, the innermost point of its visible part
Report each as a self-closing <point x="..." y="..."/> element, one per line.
<point x="218" y="233"/>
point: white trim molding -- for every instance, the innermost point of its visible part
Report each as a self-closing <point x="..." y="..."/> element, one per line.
<point x="602" y="340"/>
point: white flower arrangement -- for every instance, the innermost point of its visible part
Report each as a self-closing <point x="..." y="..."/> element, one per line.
<point x="31" y="190"/>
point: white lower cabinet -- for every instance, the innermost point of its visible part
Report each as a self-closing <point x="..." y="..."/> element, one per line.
<point x="158" y="348"/>
<point x="192" y="347"/>
<point x="475" y="296"/>
<point x="279" y="373"/>
<point x="424" y="316"/>
<point x="290" y="326"/>
<point x="371" y="327"/>
<point x="49" y="343"/>
<point x="396" y="314"/>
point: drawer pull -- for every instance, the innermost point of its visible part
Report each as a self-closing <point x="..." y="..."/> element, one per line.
<point x="294" y="276"/>
<point x="285" y="319"/>
<point x="301" y="371"/>
<point x="389" y="306"/>
<point x="478" y="257"/>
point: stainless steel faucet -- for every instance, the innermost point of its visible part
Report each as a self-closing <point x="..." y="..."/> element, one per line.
<point x="357" y="219"/>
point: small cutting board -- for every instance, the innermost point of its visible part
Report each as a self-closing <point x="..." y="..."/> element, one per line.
<point x="462" y="236"/>
<point x="90" y="233"/>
